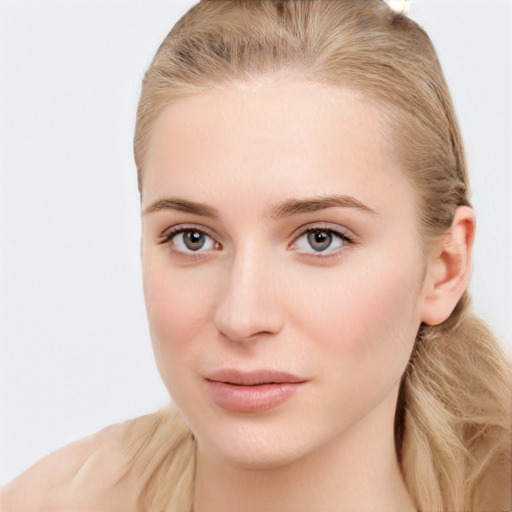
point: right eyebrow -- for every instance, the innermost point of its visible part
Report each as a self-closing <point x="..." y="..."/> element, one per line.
<point x="182" y="205"/>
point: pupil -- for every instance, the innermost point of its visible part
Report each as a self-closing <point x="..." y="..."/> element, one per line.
<point x="319" y="240"/>
<point x="194" y="240"/>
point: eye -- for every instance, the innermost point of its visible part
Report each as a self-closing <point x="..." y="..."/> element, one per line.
<point x="321" y="241"/>
<point x="188" y="240"/>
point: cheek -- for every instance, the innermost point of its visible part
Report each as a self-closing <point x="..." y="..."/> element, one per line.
<point x="367" y="321"/>
<point x="178" y="305"/>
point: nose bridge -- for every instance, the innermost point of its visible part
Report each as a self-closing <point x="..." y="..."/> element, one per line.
<point x="248" y="305"/>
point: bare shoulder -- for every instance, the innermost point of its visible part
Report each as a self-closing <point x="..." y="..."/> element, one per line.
<point x="92" y="474"/>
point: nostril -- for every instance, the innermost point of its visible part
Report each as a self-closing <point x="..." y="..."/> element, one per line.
<point x="245" y="322"/>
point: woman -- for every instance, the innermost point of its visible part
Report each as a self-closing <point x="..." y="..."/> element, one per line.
<point x="306" y="248"/>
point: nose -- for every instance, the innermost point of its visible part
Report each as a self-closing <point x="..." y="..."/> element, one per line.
<point x="249" y="305"/>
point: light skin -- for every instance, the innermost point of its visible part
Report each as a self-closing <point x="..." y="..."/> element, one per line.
<point x="247" y="170"/>
<point x="306" y="259"/>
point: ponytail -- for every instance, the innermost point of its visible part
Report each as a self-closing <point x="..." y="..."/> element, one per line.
<point x="162" y="453"/>
<point x="455" y="415"/>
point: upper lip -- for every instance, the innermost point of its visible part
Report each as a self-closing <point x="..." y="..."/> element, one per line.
<point x="253" y="378"/>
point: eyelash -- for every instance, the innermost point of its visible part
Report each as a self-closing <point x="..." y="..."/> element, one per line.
<point x="345" y="238"/>
<point x="168" y="235"/>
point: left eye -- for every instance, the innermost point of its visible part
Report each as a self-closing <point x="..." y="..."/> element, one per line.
<point x="319" y="241"/>
<point x="190" y="240"/>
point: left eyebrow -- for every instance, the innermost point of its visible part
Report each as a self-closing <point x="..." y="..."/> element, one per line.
<point x="313" y="204"/>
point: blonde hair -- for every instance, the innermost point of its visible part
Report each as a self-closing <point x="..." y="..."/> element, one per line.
<point x="453" y="417"/>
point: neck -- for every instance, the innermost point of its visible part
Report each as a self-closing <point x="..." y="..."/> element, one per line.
<point x="356" y="472"/>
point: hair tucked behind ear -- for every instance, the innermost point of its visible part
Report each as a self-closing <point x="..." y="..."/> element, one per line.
<point x="453" y="418"/>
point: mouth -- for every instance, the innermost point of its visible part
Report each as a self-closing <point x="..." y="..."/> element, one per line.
<point x="253" y="391"/>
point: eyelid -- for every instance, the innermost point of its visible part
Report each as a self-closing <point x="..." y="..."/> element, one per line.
<point x="166" y="236"/>
<point x="345" y="234"/>
<point x="327" y="226"/>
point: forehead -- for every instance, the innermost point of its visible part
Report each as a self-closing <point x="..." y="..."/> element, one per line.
<point x="270" y="138"/>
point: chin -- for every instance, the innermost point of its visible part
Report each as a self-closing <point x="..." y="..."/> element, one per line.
<point x="255" y="456"/>
<point x="256" y="442"/>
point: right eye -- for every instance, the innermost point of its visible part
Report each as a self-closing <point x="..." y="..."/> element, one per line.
<point x="189" y="240"/>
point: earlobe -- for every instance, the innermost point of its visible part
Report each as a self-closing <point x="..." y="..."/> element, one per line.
<point x="449" y="268"/>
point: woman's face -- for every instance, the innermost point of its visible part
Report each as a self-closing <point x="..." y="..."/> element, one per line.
<point x="282" y="268"/>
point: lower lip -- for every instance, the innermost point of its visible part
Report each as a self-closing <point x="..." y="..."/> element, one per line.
<point x="250" y="398"/>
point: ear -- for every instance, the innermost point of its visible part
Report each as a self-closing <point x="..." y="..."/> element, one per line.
<point x="449" y="268"/>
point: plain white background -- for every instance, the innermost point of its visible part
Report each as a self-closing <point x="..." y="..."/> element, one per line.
<point x="75" y="352"/>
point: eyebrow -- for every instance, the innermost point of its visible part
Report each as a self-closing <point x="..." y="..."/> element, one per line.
<point x="285" y="209"/>
<point x="183" y="205"/>
<point x="308" y="205"/>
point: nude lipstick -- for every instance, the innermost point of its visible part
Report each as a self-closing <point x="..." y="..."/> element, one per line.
<point x="254" y="391"/>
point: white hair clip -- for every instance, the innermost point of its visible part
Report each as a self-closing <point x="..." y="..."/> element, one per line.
<point x="397" y="8"/>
